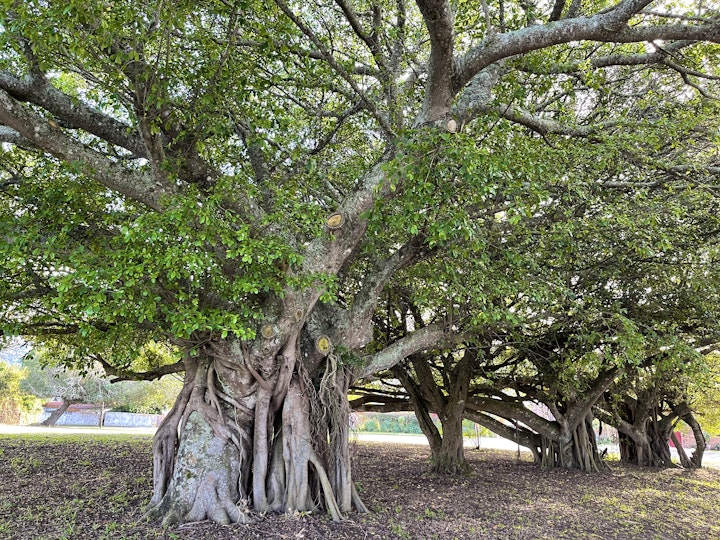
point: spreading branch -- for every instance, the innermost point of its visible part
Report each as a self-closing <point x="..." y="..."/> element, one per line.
<point x="121" y="374"/>
<point x="136" y="185"/>
<point x="431" y="336"/>
<point x="73" y="113"/>
<point x="608" y="27"/>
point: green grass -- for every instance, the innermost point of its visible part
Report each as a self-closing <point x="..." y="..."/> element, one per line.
<point x="81" y="486"/>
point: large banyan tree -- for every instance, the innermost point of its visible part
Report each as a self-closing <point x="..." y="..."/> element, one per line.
<point x="246" y="180"/>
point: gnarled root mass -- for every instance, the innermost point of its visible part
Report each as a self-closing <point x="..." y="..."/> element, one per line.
<point x="577" y="450"/>
<point x="238" y="443"/>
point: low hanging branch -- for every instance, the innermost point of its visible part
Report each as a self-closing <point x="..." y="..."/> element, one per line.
<point x="121" y="374"/>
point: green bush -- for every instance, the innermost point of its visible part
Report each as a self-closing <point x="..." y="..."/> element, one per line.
<point x="388" y="423"/>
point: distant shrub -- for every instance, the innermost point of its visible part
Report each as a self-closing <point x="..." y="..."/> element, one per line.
<point x="388" y="423"/>
<point x="371" y="425"/>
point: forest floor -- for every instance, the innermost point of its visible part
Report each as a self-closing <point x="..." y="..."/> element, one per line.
<point x="89" y="487"/>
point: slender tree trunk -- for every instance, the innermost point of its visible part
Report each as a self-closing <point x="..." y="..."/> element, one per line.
<point x="684" y="459"/>
<point x="57" y="413"/>
<point x="421" y="409"/>
<point x="447" y="448"/>
<point x="449" y="458"/>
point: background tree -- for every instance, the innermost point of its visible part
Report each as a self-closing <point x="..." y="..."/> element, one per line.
<point x="15" y="403"/>
<point x="244" y="181"/>
<point x="147" y="397"/>
<point x="49" y="376"/>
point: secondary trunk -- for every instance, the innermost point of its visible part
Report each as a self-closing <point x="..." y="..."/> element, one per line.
<point x="446" y="447"/>
<point x="682" y="410"/>
<point x="246" y="436"/>
<point x="644" y="437"/>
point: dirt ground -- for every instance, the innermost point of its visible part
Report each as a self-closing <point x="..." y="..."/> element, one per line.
<point x="85" y="487"/>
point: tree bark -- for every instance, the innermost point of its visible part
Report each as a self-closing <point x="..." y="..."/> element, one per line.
<point x="643" y="433"/>
<point x="241" y="439"/>
<point x="447" y="448"/>
<point x="57" y="413"/>
<point x="685" y="414"/>
<point x="575" y="448"/>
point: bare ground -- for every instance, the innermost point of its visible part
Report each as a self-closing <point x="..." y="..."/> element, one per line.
<point x="85" y="487"/>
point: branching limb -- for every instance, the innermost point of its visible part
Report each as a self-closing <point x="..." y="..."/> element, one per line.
<point x="370" y="39"/>
<point x="74" y="113"/>
<point x="577" y="412"/>
<point x="136" y="185"/>
<point x="330" y="59"/>
<point x="120" y="374"/>
<point x="574" y="9"/>
<point x="657" y="56"/>
<point x="540" y="125"/>
<point x="9" y="135"/>
<point x="379" y="402"/>
<point x="431" y="336"/>
<point x="609" y="26"/>
<point x="439" y="20"/>
<point x="557" y="10"/>
<point x="358" y="69"/>
<point x="519" y="434"/>
<point x="515" y="411"/>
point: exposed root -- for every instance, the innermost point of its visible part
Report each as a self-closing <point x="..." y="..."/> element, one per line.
<point x="165" y="442"/>
<point x="330" y="502"/>
<point x="261" y="452"/>
<point x="579" y="452"/>
<point x="215" y="502"/>
<point x="225" y="449"/>
<point x="357" y="501"/>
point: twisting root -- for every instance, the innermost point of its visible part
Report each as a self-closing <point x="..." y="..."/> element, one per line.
<point x="236" y="446"/>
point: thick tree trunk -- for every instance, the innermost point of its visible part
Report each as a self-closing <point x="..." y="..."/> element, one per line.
<point x="648" y="447"/>
<point x="644" y="434"/>
<point x="243" y="439"/>
<point x="449" y="458"/>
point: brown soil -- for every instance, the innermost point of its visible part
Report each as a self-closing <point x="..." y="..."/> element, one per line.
<point x="96" y="488"/>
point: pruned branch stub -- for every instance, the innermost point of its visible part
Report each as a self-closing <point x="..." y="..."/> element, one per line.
<point x="335" y="221"/>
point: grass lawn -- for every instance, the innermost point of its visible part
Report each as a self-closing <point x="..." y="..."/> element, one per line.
<point x="85" y="486"/>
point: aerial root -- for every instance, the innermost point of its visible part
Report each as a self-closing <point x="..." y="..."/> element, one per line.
<point x="357" y="501"/>
<point x="330" y="501"/>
